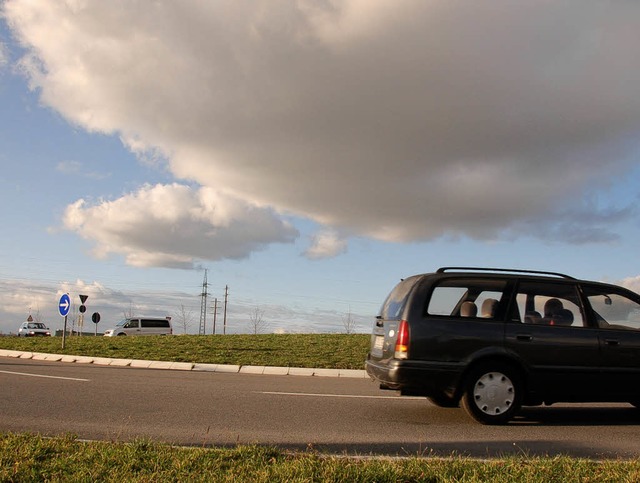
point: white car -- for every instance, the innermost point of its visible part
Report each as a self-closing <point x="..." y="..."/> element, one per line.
<point x="141" y="326"/>
<point x="34" y="329"/>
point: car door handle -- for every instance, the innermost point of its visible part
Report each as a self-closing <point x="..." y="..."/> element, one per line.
<point x="612" y="341"/>
<point x="524" y="337"/>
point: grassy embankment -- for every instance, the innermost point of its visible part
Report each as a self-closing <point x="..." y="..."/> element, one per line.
<point x="333" y="351"/>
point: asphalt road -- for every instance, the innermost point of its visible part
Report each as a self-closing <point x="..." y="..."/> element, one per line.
<point x="337" y="415"/>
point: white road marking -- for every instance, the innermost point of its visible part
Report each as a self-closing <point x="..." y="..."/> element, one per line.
<point x="42" y="375"/>
<point x="353" y="396"/>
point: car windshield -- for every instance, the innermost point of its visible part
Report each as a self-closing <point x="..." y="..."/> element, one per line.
<point x="121" y="323"/>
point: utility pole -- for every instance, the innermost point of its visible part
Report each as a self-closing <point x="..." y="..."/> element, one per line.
<point x="226" y="294"/>
<point x="215" y="314"/>
<point x="203" y="305"/>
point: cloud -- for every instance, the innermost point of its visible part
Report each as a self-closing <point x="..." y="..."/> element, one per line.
<point x="4" y="56"/>
<point x="176" y="226"/>
<point x="77" y="168"/>
<point x="632" y="283"/>
<point x="400" y="122"/>
<point x="326" y="244"/>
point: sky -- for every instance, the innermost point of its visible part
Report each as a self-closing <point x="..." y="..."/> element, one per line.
<point x="307" y="154"/>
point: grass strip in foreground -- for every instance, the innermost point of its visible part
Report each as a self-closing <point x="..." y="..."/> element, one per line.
<point x="30" y="458"/>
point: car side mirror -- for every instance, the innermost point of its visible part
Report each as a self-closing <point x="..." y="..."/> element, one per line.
<point x="607" y="300"/>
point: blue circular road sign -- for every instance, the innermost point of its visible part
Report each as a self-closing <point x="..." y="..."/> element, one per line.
<point x="64" y="305"/>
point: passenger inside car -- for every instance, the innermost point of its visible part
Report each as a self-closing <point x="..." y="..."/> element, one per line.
<point x="488" y="308"/>
<point x="532" y="317"/>
<point x="468" y="309"/>
<point x="562" y="317"/>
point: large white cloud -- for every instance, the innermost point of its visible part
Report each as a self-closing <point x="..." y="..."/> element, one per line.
<point x="404" y="120"/>
<point x="176" y="226"/>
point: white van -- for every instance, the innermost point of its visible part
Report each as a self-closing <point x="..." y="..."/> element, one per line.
<point x="142" y="326"/>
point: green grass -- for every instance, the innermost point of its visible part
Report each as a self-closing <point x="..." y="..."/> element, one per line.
<point x="333" y="351"/>
<point x="33" y="458"/>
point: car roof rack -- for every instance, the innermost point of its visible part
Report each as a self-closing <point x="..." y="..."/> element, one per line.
<point x="502" y="270"/>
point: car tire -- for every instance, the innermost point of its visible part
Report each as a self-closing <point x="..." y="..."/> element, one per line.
<point x="492" y="393"/>
<point x="443" y="401"/>
<point x="121" y="334"/>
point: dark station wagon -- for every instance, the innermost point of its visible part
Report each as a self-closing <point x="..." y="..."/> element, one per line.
<point x="494" y="340"/>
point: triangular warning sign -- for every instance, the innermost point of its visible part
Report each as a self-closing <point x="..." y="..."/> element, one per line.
<point x="83" y="298"/>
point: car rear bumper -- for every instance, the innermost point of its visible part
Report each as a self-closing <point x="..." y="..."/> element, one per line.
<point x="415" y="378"/>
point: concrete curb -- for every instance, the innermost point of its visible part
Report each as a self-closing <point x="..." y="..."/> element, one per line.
<point x="188" y="366"/>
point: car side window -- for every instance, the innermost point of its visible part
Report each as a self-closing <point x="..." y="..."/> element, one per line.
<point x="614" y="310"/>
<point x="154" y="323"/>
<point x="551" y="304"/>
<point x="476" y="298"/>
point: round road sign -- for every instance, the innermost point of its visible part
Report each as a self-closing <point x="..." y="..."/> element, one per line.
<point x="64" y="305"/>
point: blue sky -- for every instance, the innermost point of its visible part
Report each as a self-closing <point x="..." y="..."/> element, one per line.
<point x="308" y="157"/>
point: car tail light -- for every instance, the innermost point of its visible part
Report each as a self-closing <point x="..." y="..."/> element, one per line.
<point x="402" y="342"/>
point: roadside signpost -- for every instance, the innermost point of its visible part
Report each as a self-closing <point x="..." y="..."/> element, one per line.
<point x="64" y="305"/>
<point x="95" y="318"/>
<point x="83" y="299"/>
<point x="82" y="309"/>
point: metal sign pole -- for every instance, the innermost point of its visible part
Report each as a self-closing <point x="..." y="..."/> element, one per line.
<point x="95" y="318"/>
<point x="64" y="332"/>
<point x="63" y="309"/>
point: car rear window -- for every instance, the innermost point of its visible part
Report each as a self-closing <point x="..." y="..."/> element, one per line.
<point x="397" y="299"/>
